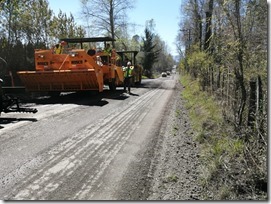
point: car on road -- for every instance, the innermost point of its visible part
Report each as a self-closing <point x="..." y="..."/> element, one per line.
<point x="164" y="74"/>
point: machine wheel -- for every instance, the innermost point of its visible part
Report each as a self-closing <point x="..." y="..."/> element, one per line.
<point x="112" y="85"/>
<point x="139" y="82"/>
<point x="133" y="81"/>
<point x="54" y="94"/>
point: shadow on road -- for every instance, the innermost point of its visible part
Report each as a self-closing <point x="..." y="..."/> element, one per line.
<point x="88" y="98"/>
<point x="157" y="83"/>
<point x="4" y="121"/>
<point x="132" y="94"/>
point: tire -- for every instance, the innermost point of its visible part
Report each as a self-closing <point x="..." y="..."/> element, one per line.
<point x="112" y="85"/>
<point x="54" y="94"/>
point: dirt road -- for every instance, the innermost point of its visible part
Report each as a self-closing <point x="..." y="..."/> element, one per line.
<point x="84" y="146"/>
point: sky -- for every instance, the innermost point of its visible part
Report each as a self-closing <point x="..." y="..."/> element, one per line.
<point x="165" y="13"/>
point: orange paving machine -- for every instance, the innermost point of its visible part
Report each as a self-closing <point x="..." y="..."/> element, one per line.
<point x="74" y="69"/>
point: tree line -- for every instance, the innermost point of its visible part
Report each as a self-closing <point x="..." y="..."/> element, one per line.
<point x="224" y="48"/>
<point x="26" y="25"/>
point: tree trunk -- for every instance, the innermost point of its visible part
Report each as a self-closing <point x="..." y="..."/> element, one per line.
<point x="240" y="83"/>
<point x="112" y="23"/>
<point x="259" y="104"/>
<point x="252" y="104"/>
<point x="208" y="28"/>
<point x="198" y="25"/>
<point x="240" y="72"/>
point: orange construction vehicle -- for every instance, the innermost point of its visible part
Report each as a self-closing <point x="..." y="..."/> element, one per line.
<point x="72" y="69"/>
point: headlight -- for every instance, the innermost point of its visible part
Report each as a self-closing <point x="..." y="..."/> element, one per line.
<point x="73" y="54"/>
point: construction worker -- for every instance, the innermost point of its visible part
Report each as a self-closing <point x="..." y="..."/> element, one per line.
<point x="59" y="48"/>
<point x="128" y="77"/>
<point x="108" y="49"/>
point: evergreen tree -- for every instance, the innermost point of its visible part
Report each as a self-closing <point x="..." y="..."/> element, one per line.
<point x="150" y="54"/>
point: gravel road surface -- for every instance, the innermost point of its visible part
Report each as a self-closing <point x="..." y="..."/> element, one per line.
<point x="106" y="146"/>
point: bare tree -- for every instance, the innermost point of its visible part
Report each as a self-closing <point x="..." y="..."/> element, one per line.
<point x="107" y="16"/>
<point x="208" y="26"/>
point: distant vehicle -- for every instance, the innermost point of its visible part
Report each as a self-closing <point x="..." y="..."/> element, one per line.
<point x="168" y="73"/>
<point x="164" y="74"/>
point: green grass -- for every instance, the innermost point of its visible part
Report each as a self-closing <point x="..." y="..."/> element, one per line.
<point x="219" y="148"/>
<point x="204" y="112"/>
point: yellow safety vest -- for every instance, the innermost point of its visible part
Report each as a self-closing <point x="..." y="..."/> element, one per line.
<point x="108" y="51"/>
<point x="59" y="50"/>
<point x="128" y="72"/>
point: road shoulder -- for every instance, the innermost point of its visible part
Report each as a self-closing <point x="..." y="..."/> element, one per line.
<point x="175" y="169"/>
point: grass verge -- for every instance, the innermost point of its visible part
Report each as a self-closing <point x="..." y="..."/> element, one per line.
<point x="226" y="173"/>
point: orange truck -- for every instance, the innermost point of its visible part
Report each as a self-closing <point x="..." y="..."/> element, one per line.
<point x="75" y="69"/>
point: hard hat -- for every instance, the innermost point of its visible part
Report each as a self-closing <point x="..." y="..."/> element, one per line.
<point x="1" y="81"/>
<point x="63" y="43"/>
<point x="128" y="63"/>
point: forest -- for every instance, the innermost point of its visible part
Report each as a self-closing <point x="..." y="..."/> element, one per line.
<point x="225" y="54"/>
